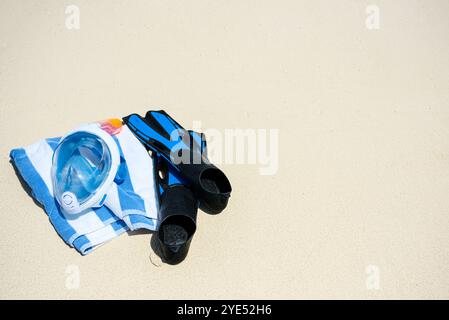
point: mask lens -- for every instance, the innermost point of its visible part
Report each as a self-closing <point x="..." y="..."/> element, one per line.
<point x="81" y="164"/>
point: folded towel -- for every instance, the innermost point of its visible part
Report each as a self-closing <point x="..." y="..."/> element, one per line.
<point x="134" y="201"/>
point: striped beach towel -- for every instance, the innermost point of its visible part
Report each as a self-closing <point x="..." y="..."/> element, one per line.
<point x="134" y="200"/>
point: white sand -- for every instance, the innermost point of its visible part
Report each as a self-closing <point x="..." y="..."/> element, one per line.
<point x="363" y="115"/>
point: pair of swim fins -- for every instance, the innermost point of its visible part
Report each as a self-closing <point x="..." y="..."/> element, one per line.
<point x="187" y="180"/>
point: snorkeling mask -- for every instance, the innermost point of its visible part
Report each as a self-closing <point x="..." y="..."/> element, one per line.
<point x="85" y="164"/>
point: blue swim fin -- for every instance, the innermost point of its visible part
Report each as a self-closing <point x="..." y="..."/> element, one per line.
<point x="178" y="209"/>
<point x="162" y="134"/>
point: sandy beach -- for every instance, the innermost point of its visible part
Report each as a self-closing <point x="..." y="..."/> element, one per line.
<point x="358" y="204"/>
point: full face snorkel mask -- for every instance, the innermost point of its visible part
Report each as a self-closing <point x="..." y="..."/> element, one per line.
<point x="85" y="164"/>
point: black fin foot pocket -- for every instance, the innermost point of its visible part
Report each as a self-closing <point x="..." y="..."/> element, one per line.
<point x="178" y="211"/>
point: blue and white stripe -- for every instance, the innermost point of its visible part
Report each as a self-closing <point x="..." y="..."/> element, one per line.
<point x="134" y="201"/>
